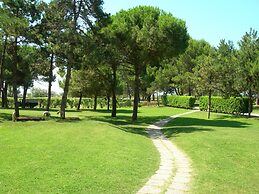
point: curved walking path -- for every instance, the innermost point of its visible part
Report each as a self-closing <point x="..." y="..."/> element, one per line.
<point x="174" y="172"/>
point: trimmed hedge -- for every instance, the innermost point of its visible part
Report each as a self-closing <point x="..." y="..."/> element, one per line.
<point x="233" y="105"/>
<point x="179" y="101"/>
<point x="72" y="102"/>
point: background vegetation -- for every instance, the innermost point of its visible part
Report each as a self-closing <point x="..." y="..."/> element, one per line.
<point x="134" y="54"/>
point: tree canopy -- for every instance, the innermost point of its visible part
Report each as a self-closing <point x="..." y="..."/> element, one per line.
<point x="134" y="53"/>
<point x="146" y="35"/>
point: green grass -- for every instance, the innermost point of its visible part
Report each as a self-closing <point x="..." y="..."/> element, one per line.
<point x="224" y="151"/>
<point x="97" y="154"/>
<point x="256" y="109"/>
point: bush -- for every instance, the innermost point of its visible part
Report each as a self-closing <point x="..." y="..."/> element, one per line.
<point x="179" y="101"/>
<point x="10" y="102"/>
<point x="102" y="102"/>
<point x="146" y="103"/>
<point x="124" y="103"/>
<point x="233" y="105"/>
<point x="164" y="100"/>
<point x="86" y="103"/>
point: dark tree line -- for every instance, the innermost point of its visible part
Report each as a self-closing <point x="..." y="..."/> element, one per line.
<point x="138" y="52"/>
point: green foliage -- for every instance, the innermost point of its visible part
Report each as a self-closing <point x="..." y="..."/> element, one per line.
<point x="184" y="79"/>
<point x="86" y="103"/>
<point x="151" y="103"/>
<point x="124" y="103"/>
<point x="162" y="77"/>
<point x="89" y="82"/>
<point x="233" y="105"/>
<point x="10" y="102"/>
<point x="248" y="57"/>
<point x="71" y="102"/>
<point x="227" y="69"/>
<point x="206" y="75"/>
<point x="164" y="99"/>
<point x="38" y="92"/>
<point x="179" y="101"/>
<point x="146" y="35"/>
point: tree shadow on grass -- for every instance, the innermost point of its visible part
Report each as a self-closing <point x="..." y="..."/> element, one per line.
<point x="235" y="116"/>
<point x="219" y="122"/>
<point x="175" y="131"/>
<point x="190" y="125"/>
<point x="50" y="110"/>
<point x="119" y="111"/>
<point x="124" y="122"/>
<point x="5" y="117"/>
<point x="67" y="120"/>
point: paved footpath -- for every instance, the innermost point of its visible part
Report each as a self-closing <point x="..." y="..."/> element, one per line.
<point x="174" y="173"/>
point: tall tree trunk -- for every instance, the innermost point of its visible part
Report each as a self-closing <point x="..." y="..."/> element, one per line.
<point x="128" y="90"/>
<point x="189" y="90"/>
<point x="64" y="96"/>
<point x="95" y="102"/>
<point x="50" y="81"/>
<point x="136" y="93"/>
<point x="114" y="87"/>
<point x="149" y="98"/>
<point x="71" y="60"/>
<point x="257" y="100"/>
<point x="158" y="104"/>
<point x="15" y="92"/>
<point x="25" y="88"/>
<point x="250" y="102"/>
<point x="80" y="100"/>
<point x="15" y="97"/>
<point x="2" y="70"/>
<point x="108" y="102"/>
<point x="177" y="91"/>
<point x="4" y="96"/>
<point x="209" y="104"/>
<point x="153" y="96"/>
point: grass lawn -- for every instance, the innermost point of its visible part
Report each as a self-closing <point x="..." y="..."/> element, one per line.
<point x="256" y="109"/>
<point x="97" y="154"/>
<point x="224" y="151"/>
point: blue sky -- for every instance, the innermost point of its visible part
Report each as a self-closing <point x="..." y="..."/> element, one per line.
<point x="211" y="20"/>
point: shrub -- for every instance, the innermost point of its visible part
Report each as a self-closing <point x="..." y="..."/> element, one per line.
<point x="86" y="103"/>
<point x="164" y="100"/>
<point x="179" y="101"/>
<point x="146" y="103"/>
<point x="233" y="105"/>
<point x="124" y="103"/>
<point x="102" y="102"/>
<point x="72" y="102"/>
<point x="55" y="102"/>
<point x="10" y="102"/>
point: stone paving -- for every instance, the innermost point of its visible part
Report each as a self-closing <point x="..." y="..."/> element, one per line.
<point x="174" y="172"/>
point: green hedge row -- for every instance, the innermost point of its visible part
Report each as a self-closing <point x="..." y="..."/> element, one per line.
<point x="73" y="102"/>
<point x="233" y="105"/>
<point x="179" y="101"/>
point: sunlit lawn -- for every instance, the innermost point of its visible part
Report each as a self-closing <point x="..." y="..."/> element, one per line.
<point x="224" y="151"/>
<point x="94" y="155"/>
<point x="256" y="109"/>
